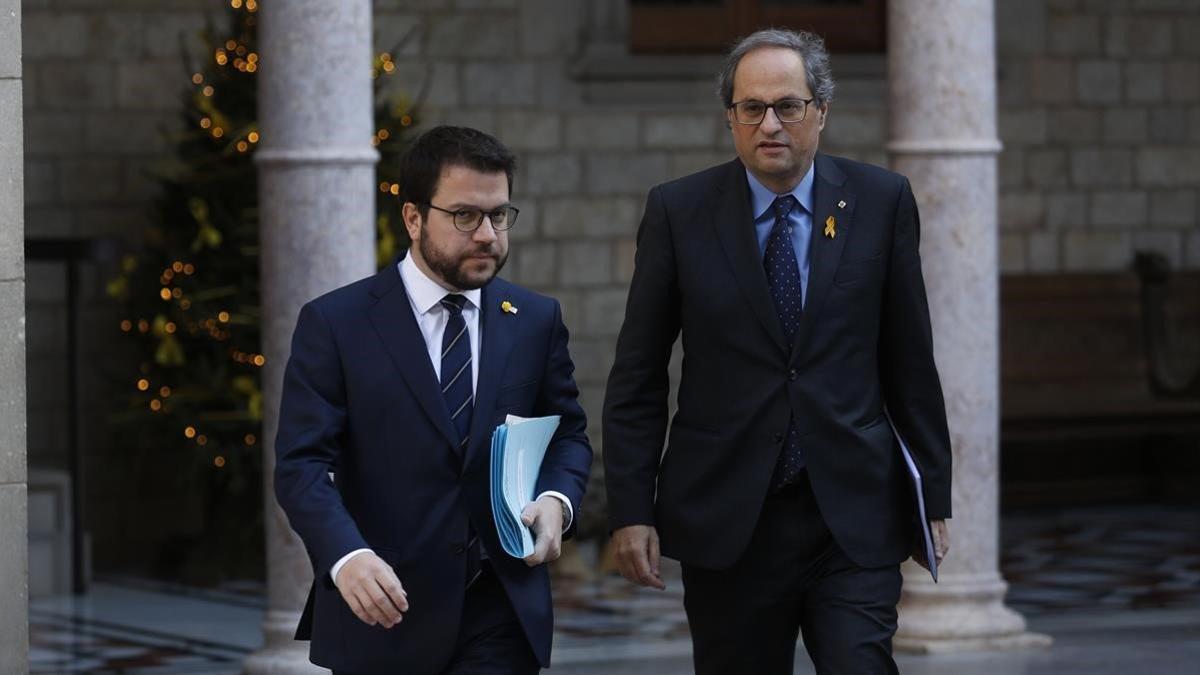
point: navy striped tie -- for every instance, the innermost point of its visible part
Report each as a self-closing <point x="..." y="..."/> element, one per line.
<point x="783" y="277"/>
<point x="456" y="367"/>
<point x="460" y="398"/>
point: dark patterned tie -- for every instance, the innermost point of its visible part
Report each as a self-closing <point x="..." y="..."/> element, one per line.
<point x="456" y="368"/>
<point x="460" y="398"/>
<point x="783" y="276"/>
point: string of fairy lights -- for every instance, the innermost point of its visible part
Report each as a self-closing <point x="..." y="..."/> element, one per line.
<point x="232" y="58"/>
<point x="216" y="327"/>
<point x="174" y="279"/>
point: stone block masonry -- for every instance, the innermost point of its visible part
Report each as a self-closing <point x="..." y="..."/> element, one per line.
<point x="1117" y="85"/>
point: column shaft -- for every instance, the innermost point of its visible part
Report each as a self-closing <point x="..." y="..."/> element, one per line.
<point x="942" y="100"/>
<point x="14" y="476"/>
<point x="316" y="207"/>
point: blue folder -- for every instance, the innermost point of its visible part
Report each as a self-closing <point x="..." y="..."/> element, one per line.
<point x="518" y="447"/>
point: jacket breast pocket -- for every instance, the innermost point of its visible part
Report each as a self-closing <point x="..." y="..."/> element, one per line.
<point x="517" y="397"/>
<point x="853" y="272"/>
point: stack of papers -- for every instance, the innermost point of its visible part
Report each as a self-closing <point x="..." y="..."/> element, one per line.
<point x="518" y="447"/>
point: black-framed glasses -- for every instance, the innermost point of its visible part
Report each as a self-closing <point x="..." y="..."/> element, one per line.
<point x="468" y="219"/>
<point x="788" y="110"/>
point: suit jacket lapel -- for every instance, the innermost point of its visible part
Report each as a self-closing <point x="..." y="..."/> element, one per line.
<point x="393" y="319"/>
<point x="498" y="330"/>
<point x="824" y="252"/>
<point x="735" y="230"/>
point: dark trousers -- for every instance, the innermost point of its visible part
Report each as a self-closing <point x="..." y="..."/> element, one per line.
<point x="490" y="639"/>
<point x="792" y="579"/>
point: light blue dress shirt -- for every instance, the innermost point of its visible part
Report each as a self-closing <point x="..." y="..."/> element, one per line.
<point x="800" y="220"/>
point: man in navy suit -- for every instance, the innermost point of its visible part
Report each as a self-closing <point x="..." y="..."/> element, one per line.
<point x="394" y="386"/>
<point x="795" y="281"/>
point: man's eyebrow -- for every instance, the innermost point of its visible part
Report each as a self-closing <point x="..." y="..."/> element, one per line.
<point x="458" y="206"/>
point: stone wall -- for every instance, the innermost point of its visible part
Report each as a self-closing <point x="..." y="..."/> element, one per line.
<point x="1100" y="116"/>
<point x="593" y="133"/>
<point x="104" y="84"/>
<point x="14" y="614"/>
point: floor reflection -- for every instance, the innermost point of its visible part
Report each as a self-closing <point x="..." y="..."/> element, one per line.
<point x="1065" y="567"/>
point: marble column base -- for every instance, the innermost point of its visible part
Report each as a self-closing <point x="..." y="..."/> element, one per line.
<point x="281" y="655"/>
<point x="960" y="613"/>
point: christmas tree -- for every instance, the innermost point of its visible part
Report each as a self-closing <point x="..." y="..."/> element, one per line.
<point x="190" y="300"/>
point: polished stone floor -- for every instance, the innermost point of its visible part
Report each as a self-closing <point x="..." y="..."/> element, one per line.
<point x="137" y="626"/>
<point x="1118" y="589"/>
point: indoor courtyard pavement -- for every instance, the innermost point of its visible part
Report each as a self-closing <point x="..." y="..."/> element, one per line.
<point x="1117" y="588"/>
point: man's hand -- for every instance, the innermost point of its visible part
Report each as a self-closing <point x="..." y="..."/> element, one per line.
<point x="372" y="590"/>
<point x="637" y="555"/>
<point x="941" y="543"/>
<point x="941" y="539"/>
<point x="545" y="518"/>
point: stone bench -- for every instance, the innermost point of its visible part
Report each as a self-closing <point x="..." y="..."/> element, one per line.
<point x="50" y="562"/>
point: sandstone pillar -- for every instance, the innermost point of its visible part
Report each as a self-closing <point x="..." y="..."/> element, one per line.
<point x="942" y="102"/>
<point x="316" y="206"/>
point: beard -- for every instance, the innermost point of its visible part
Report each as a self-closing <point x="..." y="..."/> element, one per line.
<point x="453" y="269"/>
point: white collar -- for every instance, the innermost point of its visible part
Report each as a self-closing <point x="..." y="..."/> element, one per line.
<point x="426" y="293"/>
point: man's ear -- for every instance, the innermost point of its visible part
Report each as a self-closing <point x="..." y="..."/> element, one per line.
<point x="823" y="109"/>
<point x="412" y="220"/>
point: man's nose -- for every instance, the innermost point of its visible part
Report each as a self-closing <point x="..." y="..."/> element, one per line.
<point x="486" y="232"/>
<point x="770" y="122"/>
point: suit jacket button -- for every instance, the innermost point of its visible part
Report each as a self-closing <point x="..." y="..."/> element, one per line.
<point x="778" y="438"/>
<point x="792" y="375"/>
<point x="459" y="549"/>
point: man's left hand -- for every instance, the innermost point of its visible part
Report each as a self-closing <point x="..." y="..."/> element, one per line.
<point x="545" y="518"/>
<point x="941" y="539"/>
<point x="941" y="543"/>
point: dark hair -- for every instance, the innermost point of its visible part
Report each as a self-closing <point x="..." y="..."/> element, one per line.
<point x="809" y="46"/>
<point x="444" y="146"/>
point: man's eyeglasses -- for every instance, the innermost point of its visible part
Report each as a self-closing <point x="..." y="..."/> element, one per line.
<point x="469" y="219"/>
<point x="788" y="110"/>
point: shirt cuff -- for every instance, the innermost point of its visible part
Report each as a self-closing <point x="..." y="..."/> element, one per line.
<point x="567" y="502"/>
<point x="337" y="566"/>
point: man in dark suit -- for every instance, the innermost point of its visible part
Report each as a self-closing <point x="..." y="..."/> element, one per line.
<point x="394" y="386"/>
<point x="795" y="280"/>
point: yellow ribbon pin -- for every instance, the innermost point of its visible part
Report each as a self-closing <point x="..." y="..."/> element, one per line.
<point x="508" y="308"/>
<point x="830" y="229"/>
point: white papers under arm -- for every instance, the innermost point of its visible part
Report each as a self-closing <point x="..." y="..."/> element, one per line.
<point x="914" y="473"/>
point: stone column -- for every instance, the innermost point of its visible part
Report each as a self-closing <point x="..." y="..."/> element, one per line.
<point x="316" y="206"/>
<point x="14" y="566"/>
<point x="942" y="101"/>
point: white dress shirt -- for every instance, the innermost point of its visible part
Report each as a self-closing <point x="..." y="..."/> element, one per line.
<point x="425" y="297"/>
